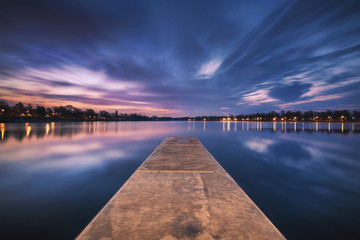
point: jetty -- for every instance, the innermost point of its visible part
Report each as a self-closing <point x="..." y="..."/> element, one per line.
<point x="180" y="192"/>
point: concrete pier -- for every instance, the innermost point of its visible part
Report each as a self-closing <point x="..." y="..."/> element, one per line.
<point x="180" y="192"/>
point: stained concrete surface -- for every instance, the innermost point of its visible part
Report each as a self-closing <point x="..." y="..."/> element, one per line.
<point x="180" y="192"/>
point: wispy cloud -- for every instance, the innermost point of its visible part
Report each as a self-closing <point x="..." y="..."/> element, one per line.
<point x="322" y="86"/>
<point x="208" y="69"/>
<point x="315" y="99"/>
<point x="258" y="97"/>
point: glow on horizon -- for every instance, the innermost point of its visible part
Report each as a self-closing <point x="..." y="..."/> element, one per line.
<point x="35" y="86"/>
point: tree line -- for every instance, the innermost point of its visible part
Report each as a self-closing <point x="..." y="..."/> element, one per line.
<point x="69" y="112"/>
<point x="328" y="115"/>
<point x="19" y="110"/>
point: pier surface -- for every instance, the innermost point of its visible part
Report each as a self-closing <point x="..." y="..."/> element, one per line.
<point x="180" y="192"/>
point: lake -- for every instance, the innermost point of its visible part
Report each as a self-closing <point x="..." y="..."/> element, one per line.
<point x="55" y="177"/>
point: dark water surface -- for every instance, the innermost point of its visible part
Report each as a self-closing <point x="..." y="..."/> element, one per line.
<point x="55" y="177"/>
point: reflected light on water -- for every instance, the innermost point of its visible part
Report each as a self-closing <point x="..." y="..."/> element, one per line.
<point x="28" y="129"/>
<point x="47" y="129"/>
<point x="52" y="128"/>
<point x="2" y="127"/>
<point x="274" y="126"/>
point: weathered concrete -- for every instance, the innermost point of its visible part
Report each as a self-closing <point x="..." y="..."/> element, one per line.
<point x="180" y="192"/>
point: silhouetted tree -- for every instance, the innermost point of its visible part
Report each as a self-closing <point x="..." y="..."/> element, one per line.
<point x="104" y="114"/>
<point x="40" y="111"/>
<point x="19" y="108"/>
<point x="49" y="111"/>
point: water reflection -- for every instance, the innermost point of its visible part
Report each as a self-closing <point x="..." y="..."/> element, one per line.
<point x="57" y="176"/>
<point x="40" y="130"/>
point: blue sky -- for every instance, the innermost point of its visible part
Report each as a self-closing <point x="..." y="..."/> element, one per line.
<point x="177" y="58"/>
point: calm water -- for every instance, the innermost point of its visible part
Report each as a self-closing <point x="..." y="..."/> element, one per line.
<point x="55" y="177"/>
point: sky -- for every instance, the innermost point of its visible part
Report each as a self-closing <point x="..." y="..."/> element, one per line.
<point x="181" y="57"/>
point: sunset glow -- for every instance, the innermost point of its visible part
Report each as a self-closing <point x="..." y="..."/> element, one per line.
<point x="136" y="58"/>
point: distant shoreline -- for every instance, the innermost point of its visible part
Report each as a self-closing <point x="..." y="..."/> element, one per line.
<point x="21" y="113"/>
<point x="48" y="120"/>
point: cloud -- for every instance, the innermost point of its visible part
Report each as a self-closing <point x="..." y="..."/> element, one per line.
<point x="131" y="55"/>
<point x="315" y="99"/>
<point x="78" y="86"/>
<point x="208" y="70"/>
<point x="321" y="87"/>
<point x="258" y="97"/>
